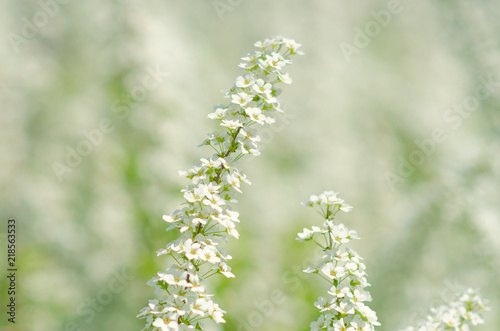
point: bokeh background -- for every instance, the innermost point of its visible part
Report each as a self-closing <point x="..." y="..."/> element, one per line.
<point x="352" y="125"/>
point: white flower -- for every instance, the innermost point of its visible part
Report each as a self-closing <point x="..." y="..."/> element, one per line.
<point x="322" y="323"/>
<point x="225" y="270"/>
<point x="216" y="313"/>
<point x="241" y="99"/>
<point x="212" y="189"/>
<point x="262" y="87"/>
<point x="359" y="296"/>
<point x="323" y="305"/>
<point x="273" y="61"/>
<point x="197" y="194"/>
<point x="339" y="325"/>
<point x="329" y="198"/>
<point x="314" y="199"/>
<point x="169" y="325"/>
<point x="310" y="269"/>
<point x="328" y="201"/>
<point x="250" y="61"/>
<point x="285" y="78"/>
<point x="269" y="99"/>
<point x="340" y="234"/>
<point x="351" y="267"/>
<point x="256" y="115"/>
<point x="367" y="314"/>
<point x="215" y="202"/>
<point x="209" y="254"/>
<point x="170" y="219"/>
<point x="339" y="292"/>
<point x="345" y="207"/>
<point x="230" y="227"/>
<point x="210" y="163"/>
<point x="218" y="114"/>
<point x="233" y="215"/>
<point x="234" y="181"/>
<point x="307" y="234"/>
<point x="250" y="134"/>
<point x="456" y="315"/>
<point x="199" y="307"/>
<point x="262" y="44"/>
<point x="292" y="46"/>
<point x="244" y="81"/>
<point x="191" y="249"/>
<point x="231" y="124"/>
<point x="333" y="272"/>
<point x="248" y="147"/>
<point x="174" y="277"/>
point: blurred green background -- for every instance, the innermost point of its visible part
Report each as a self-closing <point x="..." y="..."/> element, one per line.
<point x="87" y="233"/>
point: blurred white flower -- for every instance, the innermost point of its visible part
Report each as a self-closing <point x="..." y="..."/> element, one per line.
<point x="456" y="315"/>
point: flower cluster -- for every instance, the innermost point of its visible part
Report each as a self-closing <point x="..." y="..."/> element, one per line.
<point x="456" y="315"/>
<point x="206" y="219"/>
<point x="344" y="308"/>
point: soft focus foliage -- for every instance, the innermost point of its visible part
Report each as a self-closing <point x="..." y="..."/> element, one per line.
<point x="403" y="108"/>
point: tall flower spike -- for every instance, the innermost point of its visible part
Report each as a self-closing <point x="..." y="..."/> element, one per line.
<point x="206" y="219"/>
<point x="456" y="315"/>
<point x="341" y="267"/>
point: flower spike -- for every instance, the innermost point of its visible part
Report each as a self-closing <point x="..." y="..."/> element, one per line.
<point x="341" y="267"/>
<point x="206" y="219"/>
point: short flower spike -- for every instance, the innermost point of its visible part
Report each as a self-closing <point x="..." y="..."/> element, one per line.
<point x="341" y="267"/>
